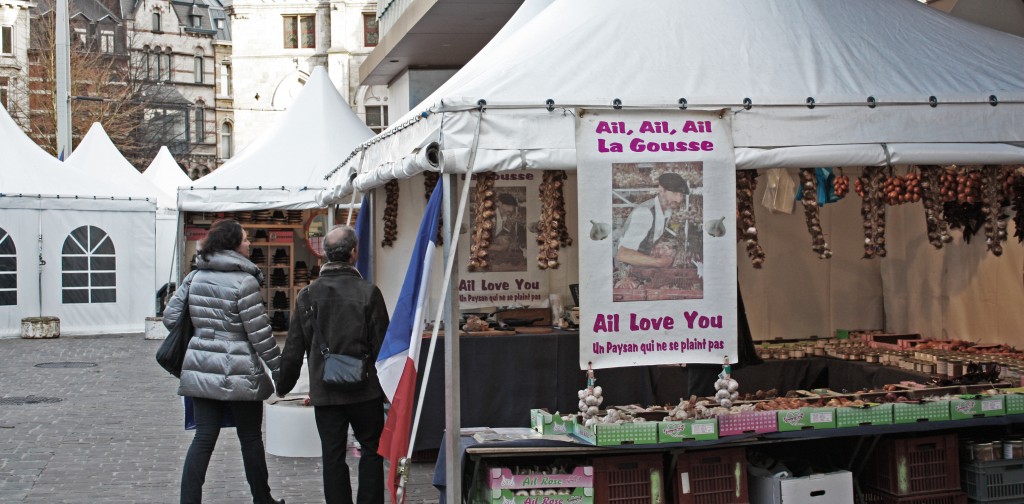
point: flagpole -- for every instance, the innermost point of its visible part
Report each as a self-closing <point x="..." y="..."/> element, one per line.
<point x="453" y="470"/>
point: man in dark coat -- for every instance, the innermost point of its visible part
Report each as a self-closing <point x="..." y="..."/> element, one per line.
<point x="348" y="315"/>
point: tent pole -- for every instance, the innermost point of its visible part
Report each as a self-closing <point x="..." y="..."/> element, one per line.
<point x="42" y="262"/>
<point x="453" y="380"/>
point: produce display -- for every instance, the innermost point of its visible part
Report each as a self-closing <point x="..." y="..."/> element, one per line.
<point x="932" y="197"/>
<point x="809" y="199"/>
<point x="552" y="232"/>
<point x="390" y="214"/>
<point x="870" y="188"/>
<point x="746" y="228"/>
<point x="483" y="226"/>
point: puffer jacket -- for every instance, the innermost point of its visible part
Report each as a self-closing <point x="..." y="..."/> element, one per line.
<point x="232" y="331"/>
<point x="351" y="316"/>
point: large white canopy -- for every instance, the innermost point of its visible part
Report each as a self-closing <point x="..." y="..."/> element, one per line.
<point x="942" y="88"/>
<point x="97" y="156"/>
<point x="285" y="167"/>
<point x="82" y="245"/>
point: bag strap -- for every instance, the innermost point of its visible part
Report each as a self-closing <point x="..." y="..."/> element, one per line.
<point x="317" y="336"/>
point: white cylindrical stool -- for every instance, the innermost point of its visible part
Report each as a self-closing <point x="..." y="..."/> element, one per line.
<point x="291" y="430"/>
<point x="155" y="329"/>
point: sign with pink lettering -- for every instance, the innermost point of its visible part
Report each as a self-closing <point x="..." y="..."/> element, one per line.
<point x="506" y="273"/>
<point x="657" y="207"/>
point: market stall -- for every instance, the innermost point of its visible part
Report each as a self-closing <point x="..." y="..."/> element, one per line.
<point x="891" y="85"/>
<point x="269" y="187"/>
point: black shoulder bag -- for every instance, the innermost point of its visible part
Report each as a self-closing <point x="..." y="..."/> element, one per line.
<point x="341" y="372"/>
<point x="171" y="354"/>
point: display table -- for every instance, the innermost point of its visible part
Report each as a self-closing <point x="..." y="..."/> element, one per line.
<point x="504" y="377"/>
<point x="860" y="442"/>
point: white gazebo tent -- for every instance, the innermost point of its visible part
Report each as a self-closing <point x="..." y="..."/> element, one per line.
<point x="165" y="173"/>
<point x="97" y="156"/>
<point x="807" y="84"/>
<point x="74" y="246"/>
<point x="285" y="167"/>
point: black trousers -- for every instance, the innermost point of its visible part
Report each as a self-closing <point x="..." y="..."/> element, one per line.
<point x="367" y="420"/>
<point x="249" y="427"/>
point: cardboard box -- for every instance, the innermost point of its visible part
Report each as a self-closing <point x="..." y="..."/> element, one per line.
<point x="904" y="413"/>
<point x="828" y="488"/>
<point x="807" y="418"/>
<point x="577" y="496"/>
<point x="877" y="414"/>
<point x="502" y="478"/>
<point x="548" y="424"/>
<point x="698" y="429"/>
<point x="1014" y="404"/>
<point x="618" y="434"/>
<point x="977" y="406"/>
<point x="746" y="422"/>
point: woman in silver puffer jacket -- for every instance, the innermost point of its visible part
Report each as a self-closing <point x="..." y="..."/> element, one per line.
<point x="223" y="367"/>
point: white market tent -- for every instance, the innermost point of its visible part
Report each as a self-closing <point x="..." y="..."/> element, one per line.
<point x="73" y="246"/>
<point x="809" y="83"/>
<point x="165" y="173"/>
<point x="285" y="167"/>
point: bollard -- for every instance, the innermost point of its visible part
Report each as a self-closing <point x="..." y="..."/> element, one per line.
<point x="40" y="327"/>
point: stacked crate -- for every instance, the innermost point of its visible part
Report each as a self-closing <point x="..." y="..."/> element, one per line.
<point x="918" y="470"/>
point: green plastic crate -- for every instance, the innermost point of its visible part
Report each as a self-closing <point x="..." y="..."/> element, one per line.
<point x="1014" y="404"/>
<point x="577" y="496"/>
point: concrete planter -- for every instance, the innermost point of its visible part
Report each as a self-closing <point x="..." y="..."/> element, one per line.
<point x="40" y="327"/>
<point x="155" y="329"/>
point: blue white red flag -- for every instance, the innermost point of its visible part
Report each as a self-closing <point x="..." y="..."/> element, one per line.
<point x="362" y="228"/>
<point x="399" y="355"/>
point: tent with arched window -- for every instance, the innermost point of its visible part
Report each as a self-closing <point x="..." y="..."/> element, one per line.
<point x="75" y="246"/>
<point x="165" y="173"/>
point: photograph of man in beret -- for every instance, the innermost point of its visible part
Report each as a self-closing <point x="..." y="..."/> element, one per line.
<point x="647" y="223"/>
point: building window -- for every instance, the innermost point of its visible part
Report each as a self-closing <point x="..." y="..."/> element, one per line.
<point x="88" y="267"/>
<point x="225" y="141"/>
<point x="197" y="21"/>
<point x="8" y="270"/>
<point x="199" y="69"/>
<point x="159" y="65"/>
<point x="4" y="93"/>
<point x="82" y="36"/>
<point x="299" y="32"/>
<point x="6" y="40"/>
<point x="377" y="117"/>
<point x="200" y="123"/>
<point x="219" y="23"/>
<point x="370" y="34"/>
<point x="225" y="79"/>
<point x="156" y="23"/>
<point x="167" y="58"/>
<point x="147" y="69"/>
<point x="107" y="41"/>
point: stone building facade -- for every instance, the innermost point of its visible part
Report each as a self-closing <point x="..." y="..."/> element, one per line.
<point x="276" y="45"/>
<point x="14" y="44"/>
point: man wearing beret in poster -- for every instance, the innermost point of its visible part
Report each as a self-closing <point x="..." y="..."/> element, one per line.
<point x="646" y="223"/>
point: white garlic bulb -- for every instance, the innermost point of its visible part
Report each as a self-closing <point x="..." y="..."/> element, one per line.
<point x="598" y="391"/>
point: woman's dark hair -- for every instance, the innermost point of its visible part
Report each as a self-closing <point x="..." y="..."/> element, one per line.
<point x="225" y="234"/>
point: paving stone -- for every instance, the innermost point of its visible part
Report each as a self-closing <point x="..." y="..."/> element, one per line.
<point x="117" y="436"/>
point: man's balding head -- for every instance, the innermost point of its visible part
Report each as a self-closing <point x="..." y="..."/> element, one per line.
<point x="339" y="243"/>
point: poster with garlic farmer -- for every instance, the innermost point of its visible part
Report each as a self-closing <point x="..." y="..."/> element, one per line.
<point x="657" y="212"/>
<point x="501" y="241"/>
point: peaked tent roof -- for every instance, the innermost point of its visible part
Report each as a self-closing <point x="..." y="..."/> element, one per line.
<point x="29" y="171"/>
<point x="165" y="173"/>
<point x="716" y="55"/>
<point x="285" y="167"/>
<point x="97" y="156"/>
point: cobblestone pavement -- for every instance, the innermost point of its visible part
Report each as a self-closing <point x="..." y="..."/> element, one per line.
<point x="113" y="432"/>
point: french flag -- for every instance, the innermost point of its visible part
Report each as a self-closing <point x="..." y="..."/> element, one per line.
<point x="400" y="353"/>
